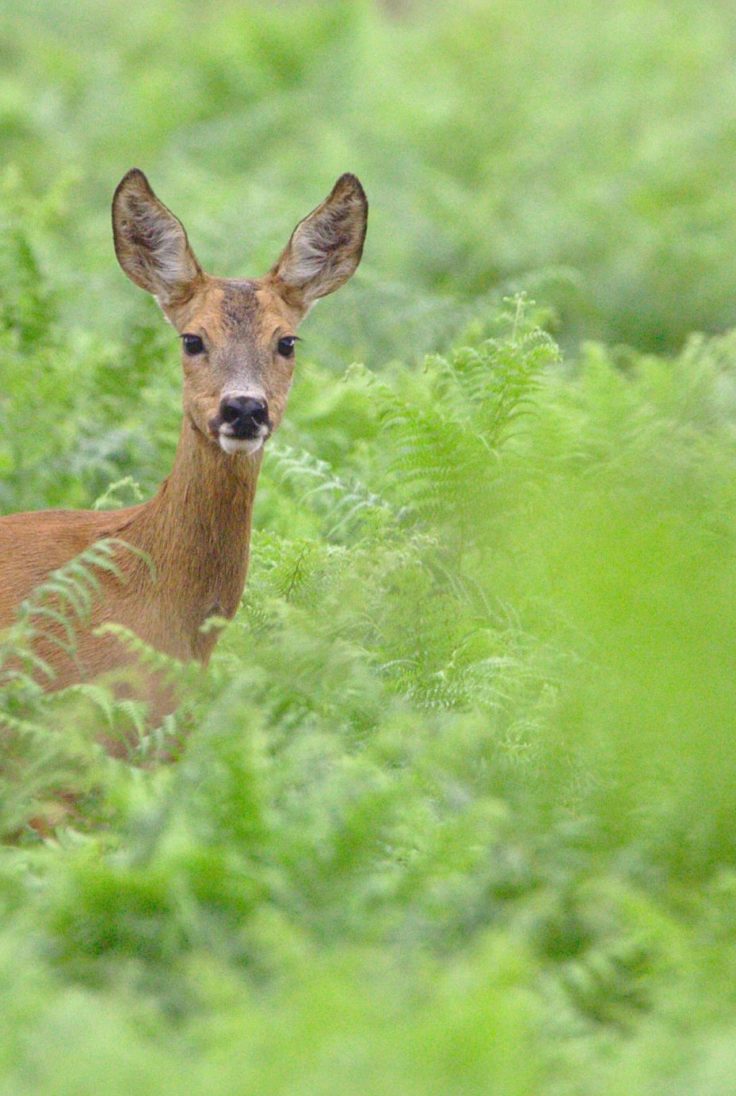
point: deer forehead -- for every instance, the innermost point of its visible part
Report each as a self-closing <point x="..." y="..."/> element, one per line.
<point x="232" y="311"/>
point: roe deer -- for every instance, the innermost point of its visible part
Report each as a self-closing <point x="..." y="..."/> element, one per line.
<point x="192" y="538"/>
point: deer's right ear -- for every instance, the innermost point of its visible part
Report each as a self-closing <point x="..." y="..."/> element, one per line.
<point x="150" y="242"/>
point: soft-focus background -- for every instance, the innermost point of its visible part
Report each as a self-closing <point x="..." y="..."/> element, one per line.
<point x="457" y="809"/>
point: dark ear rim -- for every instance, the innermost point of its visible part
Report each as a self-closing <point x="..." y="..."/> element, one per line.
<point x="138" y="180"/>
<point x="135" y="175"/>
<point x="348" y="179"/>
<point x="349" y="184"/>
<point x="140" y="177"/>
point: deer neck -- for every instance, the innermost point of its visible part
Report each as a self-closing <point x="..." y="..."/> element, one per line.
<point x="196" y="530"/>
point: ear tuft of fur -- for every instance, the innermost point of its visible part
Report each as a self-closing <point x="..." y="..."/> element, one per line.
<point x="151" y="243"/>
<point x="326" y="247"/>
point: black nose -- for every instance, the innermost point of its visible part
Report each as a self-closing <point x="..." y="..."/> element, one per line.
<point x="244" y="415"/>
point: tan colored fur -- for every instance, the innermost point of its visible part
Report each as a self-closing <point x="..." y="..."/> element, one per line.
<point x="196" y="530"/>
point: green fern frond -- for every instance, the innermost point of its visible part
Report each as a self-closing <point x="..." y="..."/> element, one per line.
<point x="55" y="610"/>
<point x="110" y="497"/>
<point x="443" y="431"/>
<point x="344" y="505"/>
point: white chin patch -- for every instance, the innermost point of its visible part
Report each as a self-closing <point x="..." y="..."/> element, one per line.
<point x="240" y="445"/>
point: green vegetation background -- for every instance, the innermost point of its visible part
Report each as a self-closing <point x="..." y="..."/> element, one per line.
<point x="457" y="808"/>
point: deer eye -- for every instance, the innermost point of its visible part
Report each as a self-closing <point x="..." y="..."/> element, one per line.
<point x="285" y="346"/>
<point x="192" y="344"/>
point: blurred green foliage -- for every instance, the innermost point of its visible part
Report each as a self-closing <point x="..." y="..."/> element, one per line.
<point x="589" y="147"/>
<point x="456" y="809"/>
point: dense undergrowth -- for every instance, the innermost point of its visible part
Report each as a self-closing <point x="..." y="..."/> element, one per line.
<point x="456" y="808"/>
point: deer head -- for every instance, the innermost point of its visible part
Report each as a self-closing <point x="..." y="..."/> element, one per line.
<point x="237" y="336"/>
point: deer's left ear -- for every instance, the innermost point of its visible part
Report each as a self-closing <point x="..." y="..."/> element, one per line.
<point x="325" y="248"/>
